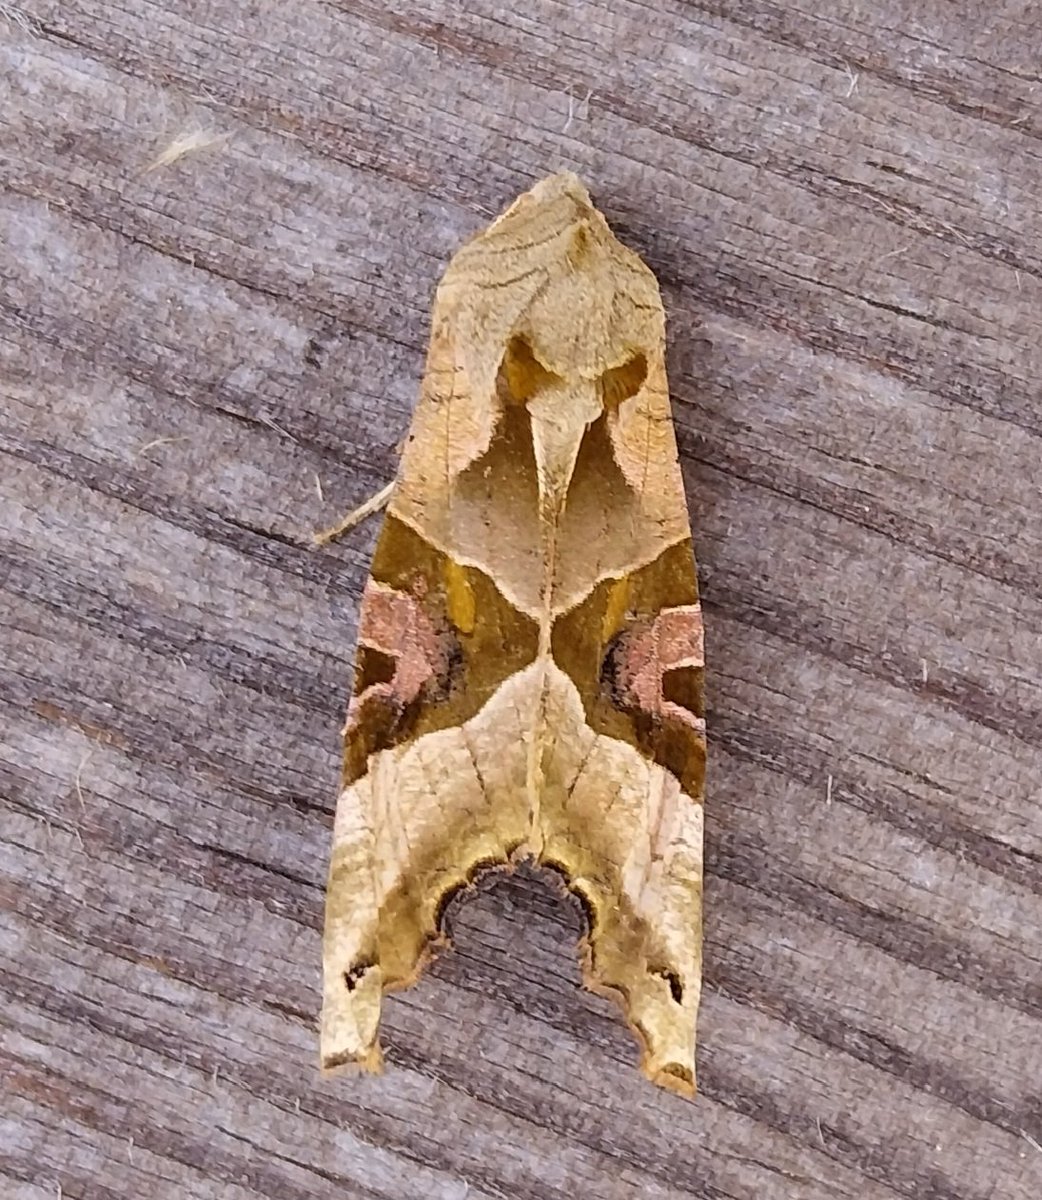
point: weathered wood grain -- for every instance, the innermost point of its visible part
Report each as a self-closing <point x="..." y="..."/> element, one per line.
<point x="844" y="206"/>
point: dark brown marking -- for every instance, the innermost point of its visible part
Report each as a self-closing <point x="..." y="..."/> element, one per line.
<point x="415" y="671"/>
<point x="621" y="382"/>
<point x="353" y="975"/>
<point x="669" y="728"/>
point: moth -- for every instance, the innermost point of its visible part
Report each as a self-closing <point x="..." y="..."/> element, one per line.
<point x="529" y="669"/>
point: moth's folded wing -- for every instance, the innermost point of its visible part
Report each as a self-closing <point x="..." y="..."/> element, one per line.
<point x="425" y="816"/>
<point x="630" y="844"/>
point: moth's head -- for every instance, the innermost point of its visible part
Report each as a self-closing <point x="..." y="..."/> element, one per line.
<point x="562" y="184"/>
<point x="546" y="312"/>
<point x="551" y="310"/>
<point x="550" y="266"/>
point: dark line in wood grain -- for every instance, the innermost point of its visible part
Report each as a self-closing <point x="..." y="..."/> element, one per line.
<point x="51" y="585"/>
<point x="876" y="202"/>
<point x="143" y="946"/>
<point x="931" y="1076"/>
<point x="135" y="733"/>
<point x="974" y="701"/>
<point x="154" y="744"/>
<point x="880" y="1162"/>
<point x="780" y="751"/>
<point x="110" y="1114"/>
<point x="28" y="1170"/>
<point x="128" y="838"/>
<point x="770" y="22"/>
<point x="548" y="1110"/>
<point x="133" y="490"/>
<point x="900" y="310"/>
<point x="742" y="291"/>
<point x="745" y="859"/>
<point x="903" y="529"/>
<point x="209" y="264"/>
<point x="268" y="535"/>
<point x="330" y="440"/>
<point x="263" y="1151"/>
<point x="259" y="1081"/>
<point x="257" y="868"/>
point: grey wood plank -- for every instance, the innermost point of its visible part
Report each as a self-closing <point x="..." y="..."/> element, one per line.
<point x="201" y="363"/>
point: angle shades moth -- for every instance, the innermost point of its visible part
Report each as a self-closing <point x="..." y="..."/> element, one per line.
<point x="529" y="670"/>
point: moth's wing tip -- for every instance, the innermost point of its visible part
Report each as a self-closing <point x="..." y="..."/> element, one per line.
<point x="672" y="1068"/>
<point x="368" y="1060"/>
<point x="349" y="1025"/>
<point x="666" y="1037"/>
<point x="673" y="1076"/>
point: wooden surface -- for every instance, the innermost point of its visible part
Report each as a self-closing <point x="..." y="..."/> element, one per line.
<point x="205" y="361"/>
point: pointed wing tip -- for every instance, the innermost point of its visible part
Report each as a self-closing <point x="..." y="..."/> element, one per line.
<point x="666" y="1038"/>
<point x="368" y="1060"/>
<point x="674" y="1077"/>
